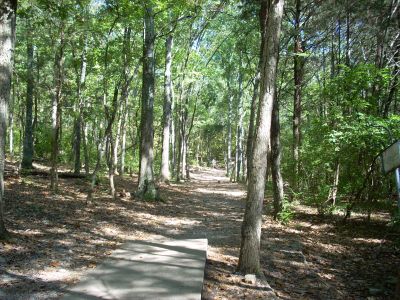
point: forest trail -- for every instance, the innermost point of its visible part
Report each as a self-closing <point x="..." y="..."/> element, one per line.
<point x="58" y="239"/>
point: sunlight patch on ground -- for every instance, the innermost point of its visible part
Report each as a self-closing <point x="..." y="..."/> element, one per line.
<point x="30" y="232"/>
<point x="110" y="230"/>
<point x="67" y="242"/>
<point x="211" y="175"/>
<point x="174" y="221"/>
<point x="144" y="215"/>
<point x="286" y="262"/>
<point x="369" y="241"/>
<point x="58" y="230"/>
<point x="231" y="193"/>
<point x="61" y="274"/>
<point x="331" y="248"/>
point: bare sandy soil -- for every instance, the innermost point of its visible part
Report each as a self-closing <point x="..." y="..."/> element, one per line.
<point x="57" y="238"/>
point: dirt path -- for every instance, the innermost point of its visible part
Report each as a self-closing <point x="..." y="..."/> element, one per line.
<point x="56" y="239"/>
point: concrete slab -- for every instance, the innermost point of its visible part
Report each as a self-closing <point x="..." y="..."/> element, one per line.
<point x="157" y="269"/>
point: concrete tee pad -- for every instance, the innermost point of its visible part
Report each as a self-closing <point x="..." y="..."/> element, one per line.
<point x="155" y="269"/>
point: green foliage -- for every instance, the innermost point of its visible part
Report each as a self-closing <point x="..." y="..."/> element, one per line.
<point x="42" y="146"/>
<point x="346" y="130"/>
<point x="287" y="213"/>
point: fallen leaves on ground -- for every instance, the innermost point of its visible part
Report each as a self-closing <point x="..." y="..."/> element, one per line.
<point x="56" y="239"/>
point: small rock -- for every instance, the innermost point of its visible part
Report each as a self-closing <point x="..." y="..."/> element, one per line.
<point x="250" y="278"/>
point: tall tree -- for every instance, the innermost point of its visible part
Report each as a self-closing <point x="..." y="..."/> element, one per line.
<point x="8" y="10"/>
<point x="249" y="259"/>
<point x="298" y="68"/>
<point x="229" y="135"/>
<point x="252" y="120"/>
<point x="167" y="110"/>
<point x="147" y="188"/>
<point x="239" y="130"/>
<point x="80" y="83"/>
<point x="56" y="107"/>
<point x="28" y="136"/>
<point x="277" y="181"/>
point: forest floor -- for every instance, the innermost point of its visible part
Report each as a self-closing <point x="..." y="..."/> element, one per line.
<point x="57" y="238"/>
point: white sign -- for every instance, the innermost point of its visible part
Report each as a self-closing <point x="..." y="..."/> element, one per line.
<point x="391" y="157"/>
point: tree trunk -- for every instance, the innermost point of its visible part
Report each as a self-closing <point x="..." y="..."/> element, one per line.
<point x="173" y="138"/>
<point x="102" y="145"/>
<point x="239" y="133"/>
<point x="187" y="169"/>
<point x="116" y="143"/>
<point x="85" y="147"/>
<point x="11" y="123"/>
<point x="348" y="34"/>
<point x="81" y="79"/>
<point x="393" y="85"/>
<point x="56" y="110"/>
<point x="253" y="111"/>
<point x="36" y="99"/>
<point x="334" y="189"/>
<point x="179" y="154"/>
<point x="123" y="144"/>
<point x="7" y="33"/>
<point x="298" y="82"/>
<point x="111" y="163"/>
<point x="184" y="156"/>
<point x="229" y="150"/>
<point x="249" y="258"/>
<point x="277" y="181"/>
<point x="332" y="56"/>
<point x="27" y="156"/>
<point x="165" y="173"/>
<point x="146" y="186"/>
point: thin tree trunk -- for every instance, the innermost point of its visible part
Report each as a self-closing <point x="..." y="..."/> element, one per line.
<point x="81" y="79"/>
<point x="111" y="163"/>
<point x="198" y="153"/>
<point x="348" y="34"/>
<point x="187" y="152"/>
<point x="102" y="146"/>
<point x="36" y="99"/>
<point x="334" y="189"/>
<point x="56" y="110"/>
<point x="123" y="144"/>
<point x="146" y="186"/>
<point x="27" y="156"/>
<point x="179" y="157"/>
<point x="124" y="95"/>
<point x="11" y="122"/>
<point x="253" y="111"/>
<point x="229" y="125"/>
<point x="184" y="149"/>
<point x="298" y="82"/>
<point x="249" y="258"/>
<point x="277" y="181"/>
<point x="332" y="58"/>
<point x="86" y="148"/>
<point x="173" y="137"/>
<point x="7" y="33"/>
<point x="393" y="85"/>
<point x="165" y="172"/>
<point x="239" y="133"/>
<point x="116" y="144"/>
